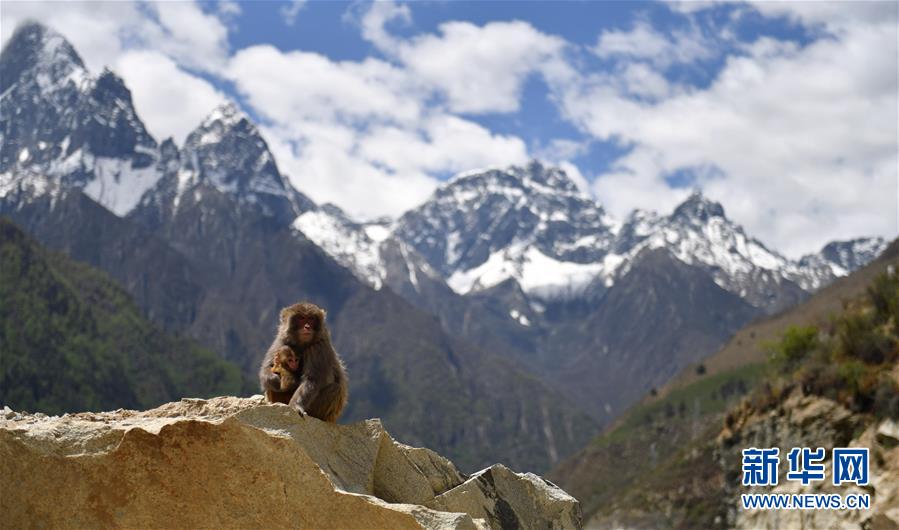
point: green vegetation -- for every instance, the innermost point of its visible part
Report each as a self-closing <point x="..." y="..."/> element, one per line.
<point x="72" y="340"/>
<point x="849" y="360"/>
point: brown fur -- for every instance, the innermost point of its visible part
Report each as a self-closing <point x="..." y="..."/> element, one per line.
<point x="321" y="387"/>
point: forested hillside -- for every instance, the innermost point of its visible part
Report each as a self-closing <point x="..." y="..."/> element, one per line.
<point x="73" y="340"/>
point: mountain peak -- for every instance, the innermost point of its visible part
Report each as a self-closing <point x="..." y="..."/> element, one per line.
<point x="551" y="176"/>
<point x="228" y="152"/>
<point x="843" y="257"/>
<point x="34" y="45"/>
<point x="223" y="121"/>
<point x="109" y="87"/>
<point x="534" y="176"/>
<point x="227" y="113"/>
<point x="698" y="207"/>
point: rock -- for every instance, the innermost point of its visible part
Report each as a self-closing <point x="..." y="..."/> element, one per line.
<point x="511" y="500"/>
<point x="888" y="433"/>
<point x="241" y="463"/>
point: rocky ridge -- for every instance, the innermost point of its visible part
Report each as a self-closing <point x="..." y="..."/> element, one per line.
<point x="238" y="462"/>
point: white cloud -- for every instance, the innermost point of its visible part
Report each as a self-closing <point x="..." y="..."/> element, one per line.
<point x="833" y="15"/>
<point x="291" y="10"/>
<point x="229" y="10"/>
<point x="641" y="80"/>
<point x="190" y="36"/>
<point x="643" y="42"/>
<point x="308" y="85"/>
<point x="443" y="143"/>
<point x="478" y="69"/>
<point x="319" y="160"/>
<point x="805" y="138"/>
<point x="176" y="100"/>
<point x="375" y="19"/>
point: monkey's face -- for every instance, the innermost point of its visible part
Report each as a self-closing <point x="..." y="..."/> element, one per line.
<point x="291" y="362"/>
<point x="306" y="327"/>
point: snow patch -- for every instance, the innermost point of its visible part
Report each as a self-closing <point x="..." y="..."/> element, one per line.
<point x="376" y="232"/>
<point x="118" y="186"/>
<point x="538" y="274"/>
<point x="347" y="244"/>
<point x="521" y="319"/>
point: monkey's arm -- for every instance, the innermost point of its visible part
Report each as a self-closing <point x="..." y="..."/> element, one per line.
<point x="304" y="395"/>
<point x="267" y="379"/>
<point x="271" y="381"/>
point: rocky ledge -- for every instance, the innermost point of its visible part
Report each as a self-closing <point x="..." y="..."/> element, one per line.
<point x="241" y="463"/>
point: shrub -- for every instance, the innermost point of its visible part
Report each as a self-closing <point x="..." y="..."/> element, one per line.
<point x="796" y="343"/>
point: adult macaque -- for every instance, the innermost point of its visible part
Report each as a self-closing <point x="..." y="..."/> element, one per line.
<point x="320" y="378"/>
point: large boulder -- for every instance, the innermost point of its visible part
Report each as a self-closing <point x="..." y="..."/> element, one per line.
<point x="241" y="463"/>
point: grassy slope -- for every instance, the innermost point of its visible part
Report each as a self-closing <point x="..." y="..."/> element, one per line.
<point x="71" y="339"/>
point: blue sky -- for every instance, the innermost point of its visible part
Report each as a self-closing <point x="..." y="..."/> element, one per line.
<point x="784" y="112"/>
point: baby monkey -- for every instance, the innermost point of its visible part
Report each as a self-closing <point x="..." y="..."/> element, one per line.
<point x="286" y="364"/>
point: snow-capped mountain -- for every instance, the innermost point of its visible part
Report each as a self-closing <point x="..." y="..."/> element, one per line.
<point x="353" y="245"/>
<point x="698" y="233"/>
<point x="63" y="128"/>
<point x="224" y="155"/>
<point x="531" y="224"/>
<point x="842" y="257"/>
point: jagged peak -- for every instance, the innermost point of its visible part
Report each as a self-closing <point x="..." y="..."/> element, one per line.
<point x="228" y="113"/>
<point x="848" y="254"/>
<point x="223" y="119"/>
<point x="34" y="45"/>
<point x="532" y="175"/>
<point x="168" y="145"/>
<point x="109" y="84"/>
<point x="698" y="206"/>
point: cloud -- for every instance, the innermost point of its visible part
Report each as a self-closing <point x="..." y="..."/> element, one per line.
<point x="291" y="10"/>
<point x="643" y="42"/>
<point x="229" y="10"/>
<point x="310" y="86"/>
<point x="480" y="69"/>
<point x="186" y="33"/>
<point x="374" y="21"/>
<point x="804" y="140"/>
<point x="443" y="143"/>
<point x="477" y="69"/>
<point x="319" y="160"/>
<point x="176" y="100"/>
